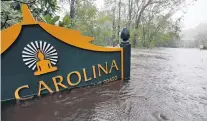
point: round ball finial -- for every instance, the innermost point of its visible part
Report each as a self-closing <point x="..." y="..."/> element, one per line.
<point x="125" y="34"/>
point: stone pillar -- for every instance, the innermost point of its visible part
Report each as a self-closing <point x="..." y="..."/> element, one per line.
<point x="127" y="52"/>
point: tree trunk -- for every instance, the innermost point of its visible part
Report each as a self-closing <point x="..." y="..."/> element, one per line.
<point x="114" y="23"/>
<point x="140" y="13"/>
<point x="130" y="13"/>
<point x="72" y="9"/>
<point x="119" y="19"/>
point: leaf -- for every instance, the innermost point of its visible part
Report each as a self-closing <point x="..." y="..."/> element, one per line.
<point x="66" y="20"/>
<point x="61" y="23"/>
<point x="55" y="19"/>
<point x="48" y="18"/>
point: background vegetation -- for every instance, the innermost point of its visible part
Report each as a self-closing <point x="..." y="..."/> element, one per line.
<point x="150" y="22"/>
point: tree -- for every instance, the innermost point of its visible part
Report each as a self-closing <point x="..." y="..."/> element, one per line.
<point x="11" y="10"/>
<point x="149" y="21"/>
<point x="72" y="9"/>
<point x="201" y="39"/>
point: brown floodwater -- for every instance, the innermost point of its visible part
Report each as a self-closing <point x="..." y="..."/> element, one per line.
<point x="166" y="85"/>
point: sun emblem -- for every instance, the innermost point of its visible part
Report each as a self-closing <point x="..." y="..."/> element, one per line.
<point x="40" y="56"/>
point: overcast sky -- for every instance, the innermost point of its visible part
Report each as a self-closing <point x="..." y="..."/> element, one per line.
<point x="196" y="14"/>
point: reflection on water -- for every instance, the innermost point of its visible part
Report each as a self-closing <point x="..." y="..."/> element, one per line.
<point x="166" y="85"/>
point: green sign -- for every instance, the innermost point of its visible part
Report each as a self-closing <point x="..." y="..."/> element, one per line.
<point x="40" y="58"/>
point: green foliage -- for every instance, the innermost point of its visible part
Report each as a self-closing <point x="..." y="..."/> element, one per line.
<point x="55" y="19"/>
<point x="9" y="15"/>
<point x="11" y="11"/>
<point x="155" y="27"/>
<point x="66" y="22"/>
<point x="51" y="20"/>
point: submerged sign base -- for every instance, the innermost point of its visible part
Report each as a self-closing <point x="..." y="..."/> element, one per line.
<point x="39" y="58"/>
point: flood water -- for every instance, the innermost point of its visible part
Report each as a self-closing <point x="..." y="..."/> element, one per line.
<point x="166" y="85"/>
